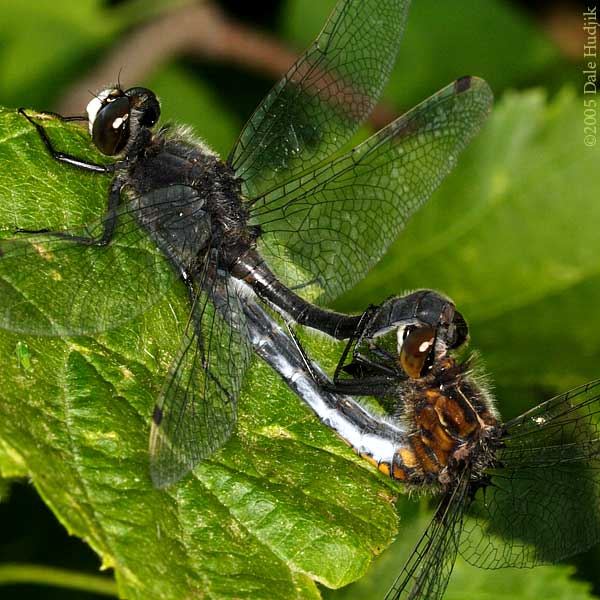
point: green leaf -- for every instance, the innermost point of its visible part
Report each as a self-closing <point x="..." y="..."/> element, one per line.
<point x="12" y="465"/>
<point x="550" y="582"/>
<point x="283" y="503"/>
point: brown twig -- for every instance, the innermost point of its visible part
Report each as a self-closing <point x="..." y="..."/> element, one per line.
<point x="199" y="29"/>
<point x="564" y="25"/>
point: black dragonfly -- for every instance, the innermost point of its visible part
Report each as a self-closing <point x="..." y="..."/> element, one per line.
<point x="288" y="215"/>
<point x="519" y="493"/>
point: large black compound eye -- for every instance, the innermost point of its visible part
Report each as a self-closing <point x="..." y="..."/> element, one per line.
<point x="461" y="331"/>
<point x="146" y="102"/>
<point x="416" y="354"/>
<point x="453" y="327"/>
<point x="110" y="131"/>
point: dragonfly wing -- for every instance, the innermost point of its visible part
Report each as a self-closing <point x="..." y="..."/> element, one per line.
<point x="426" y="574"/>
<point x="543" y="499"/>
<point x="59" y="284"/>
<point x="331" y="225"/>
<point x="318" y="105"/>
<point x="197" y="407"/>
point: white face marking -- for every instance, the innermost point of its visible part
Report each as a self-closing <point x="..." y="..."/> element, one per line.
<point x="400" y="339"/>
<point x="95" y="104"/>
<point x="400" y="330"/>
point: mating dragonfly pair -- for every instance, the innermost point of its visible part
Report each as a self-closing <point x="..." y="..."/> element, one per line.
<point x="289" y="218"/>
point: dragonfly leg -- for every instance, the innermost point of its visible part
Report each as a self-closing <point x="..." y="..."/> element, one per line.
<point x="364" y="319"/>
<point x="110" y="222"/>
<point x="63" y="157"/>
<point x="315" y="375"/>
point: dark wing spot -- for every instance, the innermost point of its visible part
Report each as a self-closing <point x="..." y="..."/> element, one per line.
<point x="157" y="415"/>
<point x="463" y="84"/>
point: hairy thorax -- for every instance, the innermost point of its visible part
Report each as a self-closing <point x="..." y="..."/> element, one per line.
<point x="452" y="422"/>
<point x="188" y="200"/>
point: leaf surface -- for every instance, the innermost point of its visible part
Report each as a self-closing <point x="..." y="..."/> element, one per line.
<point x="283" y="503"/>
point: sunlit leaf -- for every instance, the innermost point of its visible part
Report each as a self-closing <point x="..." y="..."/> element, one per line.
<point x="283" y="503"/>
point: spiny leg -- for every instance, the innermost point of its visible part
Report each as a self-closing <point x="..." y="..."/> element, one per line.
<point x="109" y="225"/>
<point x="63" y="157"/>
<point x="315" y="375"/>
<point x="365" y="318"/>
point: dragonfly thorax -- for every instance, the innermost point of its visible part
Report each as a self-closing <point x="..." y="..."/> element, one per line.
<point x="452" y="418"/>
<point x="190" y="200"/>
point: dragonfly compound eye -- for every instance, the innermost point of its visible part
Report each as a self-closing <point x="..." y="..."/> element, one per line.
<point x="416" y="354"/>
<point x="110" y="128"/>
<point x="146" y="103"/>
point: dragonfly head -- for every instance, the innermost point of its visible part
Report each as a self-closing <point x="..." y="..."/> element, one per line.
<point x="113" y="114"/>
<point x="412" y="332"/>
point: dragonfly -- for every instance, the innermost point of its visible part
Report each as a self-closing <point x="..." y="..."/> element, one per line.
<point x="519" y="493"/>
<point x="288" y="217"/>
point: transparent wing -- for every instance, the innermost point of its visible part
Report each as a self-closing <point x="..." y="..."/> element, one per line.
<point x="61" y="283"/>
<point x="329" y="226"/>
<point x="319" y="103"/>
<point x="197" y="408"/>
<point x="543" y="500"/>
<point x="426" y="574"/>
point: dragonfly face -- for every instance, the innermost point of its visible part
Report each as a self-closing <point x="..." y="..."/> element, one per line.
<point x="111" y="112"/>
<point x="280" y="214"/>
<point x="405" y="350"/>
<point x="519" y="493"/>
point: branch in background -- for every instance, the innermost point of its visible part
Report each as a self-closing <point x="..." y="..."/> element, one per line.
<point x="204" y="31"/>
<point x="17" y="573"/>
<point x="201" y="30"/>
<point x="564" y="27"/>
